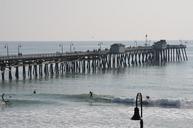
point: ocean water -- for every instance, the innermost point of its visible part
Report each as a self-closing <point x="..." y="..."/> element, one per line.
<point x="63" y="102"/>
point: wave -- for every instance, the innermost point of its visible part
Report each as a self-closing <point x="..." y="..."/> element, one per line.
<point x="19" y="99"/>
<point x="151" y="103"/>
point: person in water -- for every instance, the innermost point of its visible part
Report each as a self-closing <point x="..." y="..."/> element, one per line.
<point x="91" y="94"/>
<point x="147" y="101"/>
<point x="34" y="92"/>
<point x="2" y="96"/>
<point x="148" y="97"/>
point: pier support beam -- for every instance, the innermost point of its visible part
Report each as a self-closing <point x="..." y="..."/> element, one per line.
<point x="128" y="59"/>
<point x="30" y="71"/>
<point x="40" y="71"/>
<point x="56" y="68"/>
<point x="17" y="72"/>
<point x="46" y="72"/>
<point x="113" y="60"/>
<point x="35" y="71"/>
<point x="24" y="72"/>
<point x="62" y="68"/>
<point x="83" y="66"/>
<point x="10" y="74"/>
<point x="88" y="65"/>
<point x="132" y="61"/>
<point x="51" y="69"/>
<point x="185" y="54"/>
<point x="3" y="73"/>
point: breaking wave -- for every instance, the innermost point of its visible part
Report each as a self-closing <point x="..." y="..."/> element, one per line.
<point x="57" y="98"/>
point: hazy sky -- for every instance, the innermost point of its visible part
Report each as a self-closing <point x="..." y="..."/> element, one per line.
<point x="95" y="19"/>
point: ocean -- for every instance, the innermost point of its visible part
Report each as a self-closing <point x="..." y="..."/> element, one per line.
<point x="64" y="102"/>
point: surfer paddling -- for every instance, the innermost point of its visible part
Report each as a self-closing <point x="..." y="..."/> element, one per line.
<point x="148" y="97"/>
<point x="147" y="101"/>
<point x="34" y="92"/>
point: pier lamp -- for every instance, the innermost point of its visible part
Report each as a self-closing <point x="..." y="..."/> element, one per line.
<point x="135" y="43"/>
<point x="146" y="40"/>
<point x="71" y="44"/>
<point x="62" y="48"/>
<point x="18" y="48"/>
<point x="7" y="47"/>
<point x="136" y="115"/>
<point x="100" y="45"/>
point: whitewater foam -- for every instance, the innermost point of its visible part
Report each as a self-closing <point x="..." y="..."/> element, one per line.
<point x="31" y="99"/>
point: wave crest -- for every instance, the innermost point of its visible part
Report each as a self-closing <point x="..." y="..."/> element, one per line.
<point x="50" y="98"/>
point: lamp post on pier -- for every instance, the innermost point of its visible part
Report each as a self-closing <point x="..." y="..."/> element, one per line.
<point x="136" y="115"/>
<point x="146" y="40"/>
<point x="7" y="47"/>
<point x="100" y="45"/>
<point x="74" y="48"/>
<point x="18" y="48"/>
<point x="135" y="43"/>
<point x="62" y="48"/>
<point x="71" y="44"/>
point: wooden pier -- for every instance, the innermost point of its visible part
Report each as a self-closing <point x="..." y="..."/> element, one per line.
<point x="47" y="65"/>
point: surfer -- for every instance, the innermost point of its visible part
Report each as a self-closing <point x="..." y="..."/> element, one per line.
<point x="147" y="97"/>
<point x="91" y="94"/>
<point x="91" y="98"/>
<point x="147" y="101"/>
<point x="3" y="100"/>
<point x="34" y="92"/>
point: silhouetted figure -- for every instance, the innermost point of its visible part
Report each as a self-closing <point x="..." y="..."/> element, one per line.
<point x="147" y="101"/>
<point x="147" y="97"/>
<point x="91" y="94"/>
<point x="2" y="96"/>
<point x="34" y="92"/>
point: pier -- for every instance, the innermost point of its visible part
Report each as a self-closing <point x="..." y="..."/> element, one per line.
<point x="55" y="64"/>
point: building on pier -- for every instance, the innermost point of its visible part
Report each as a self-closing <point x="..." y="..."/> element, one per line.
<point x="162" y="44"/>
<point x="117" y="48"/>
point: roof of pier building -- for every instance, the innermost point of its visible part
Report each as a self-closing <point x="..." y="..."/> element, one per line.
<point x="117" y="48"/>
<point x="162" y="44"/>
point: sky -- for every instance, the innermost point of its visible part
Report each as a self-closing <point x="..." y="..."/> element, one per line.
<point x="56" y="20"/>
